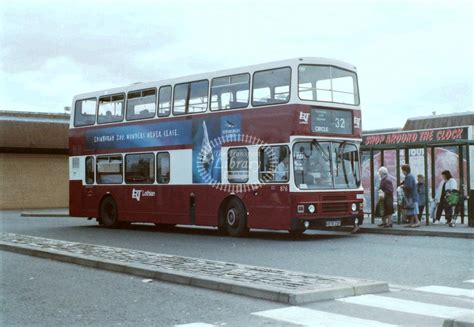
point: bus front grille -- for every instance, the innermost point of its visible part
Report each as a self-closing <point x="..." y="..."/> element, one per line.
<point x="329" y="204"/>
<point x="334" y="207"/>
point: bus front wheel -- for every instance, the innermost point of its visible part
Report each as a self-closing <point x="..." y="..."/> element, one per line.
<point x="109" y="213"/>
<point x="236" y="218"/>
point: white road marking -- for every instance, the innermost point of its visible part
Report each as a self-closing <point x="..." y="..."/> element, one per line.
<point x="419" y="308"/>
<point x="195" y="324"/>
<point x="309" y="318"/>
<point x="469" y="281"/>
<point x="447" y="291"/>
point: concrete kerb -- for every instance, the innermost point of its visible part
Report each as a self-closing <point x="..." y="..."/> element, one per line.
<point x="371" y="288"/>
<point x="213" y="283"/>
<point x="45" y="214"/>
<point x="462" y="321"/>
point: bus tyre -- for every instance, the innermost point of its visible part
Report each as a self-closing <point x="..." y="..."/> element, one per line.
<point x="109" y="213"/>
<point x="236" y="218"/>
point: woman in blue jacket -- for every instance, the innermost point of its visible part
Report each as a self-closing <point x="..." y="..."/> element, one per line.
<point x="411" y="195"/>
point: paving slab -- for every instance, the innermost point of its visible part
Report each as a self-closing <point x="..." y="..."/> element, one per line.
<point x="279" y="285"/>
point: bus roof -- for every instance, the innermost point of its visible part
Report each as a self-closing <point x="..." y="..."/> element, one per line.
<point x="209" y="75"/>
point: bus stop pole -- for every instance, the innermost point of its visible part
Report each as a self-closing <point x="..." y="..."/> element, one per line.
<point x="372" y="186"/>
<point x="398" y="183"/>
<point x="433" y="177"/>
<point x="470" y="214"/>
<point x="427" y="207"/>
<point x="461" y="177"/>
<point x="468" y="169"/>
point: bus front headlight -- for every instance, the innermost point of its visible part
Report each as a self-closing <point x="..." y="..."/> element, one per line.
<point x="311" y="208"/>
<point x="354" y="207"/>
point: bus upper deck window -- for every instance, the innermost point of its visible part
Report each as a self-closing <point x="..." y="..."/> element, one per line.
<point x="230" y="92"/>
<point x="164" y="101"/>
<point x="327" y="84"/>
<point x="271" y="86"/>
<point x="84" y="112"/>
<point x="111" y="109"/>
<point x="141" y="104"/>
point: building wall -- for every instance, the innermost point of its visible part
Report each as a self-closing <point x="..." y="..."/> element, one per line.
<point x="33" y="181"/>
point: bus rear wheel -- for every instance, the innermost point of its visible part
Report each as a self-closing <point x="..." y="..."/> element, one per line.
<point x="236" y="218"/>
<point x="109" y="213"/>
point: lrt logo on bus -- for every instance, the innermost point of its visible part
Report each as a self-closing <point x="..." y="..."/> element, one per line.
<point x="137" y="194"/>
<point x="304" y="117"/>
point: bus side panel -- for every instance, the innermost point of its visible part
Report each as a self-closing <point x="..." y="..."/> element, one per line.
<point x="268" y="207"/>
<point x="171" y="205"/>
<point x="138" y="202"/>
<point x="175" y="204"/>
<point x="75" y="199"/>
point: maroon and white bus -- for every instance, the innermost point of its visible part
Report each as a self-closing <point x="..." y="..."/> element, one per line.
<point x="270" y="146"/>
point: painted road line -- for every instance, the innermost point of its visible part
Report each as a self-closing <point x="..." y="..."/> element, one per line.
<point x="447" y="291"/>
<point x="469" y="281"/>
<point x="419" y="308"/>
<point x="309" y="317"/>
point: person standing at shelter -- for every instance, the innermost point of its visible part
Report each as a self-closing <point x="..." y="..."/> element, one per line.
<point x="420" y="186"/>
<point x="386" y="187"/>
<point x="411" y="197"/>
<point x="448" y="185"/>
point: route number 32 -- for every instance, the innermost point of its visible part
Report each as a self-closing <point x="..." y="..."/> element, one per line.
<point x="340" y="123"/>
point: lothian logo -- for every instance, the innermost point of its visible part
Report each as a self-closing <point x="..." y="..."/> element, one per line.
<point x="137" y="194"/>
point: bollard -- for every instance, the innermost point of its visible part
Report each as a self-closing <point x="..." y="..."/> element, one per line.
<point x="470" y="210"/>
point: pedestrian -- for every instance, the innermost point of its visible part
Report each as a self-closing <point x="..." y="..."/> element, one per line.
<point x="411" y="197"/>
<point x="386" y="198"/>
<point x="420" y="186"/>
<point x="445" y="188"/>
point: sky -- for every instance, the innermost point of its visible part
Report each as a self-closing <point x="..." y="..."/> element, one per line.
<point x="412" y="57"/>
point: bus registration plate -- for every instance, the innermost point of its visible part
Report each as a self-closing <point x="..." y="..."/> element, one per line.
<point x="333" y="223"/>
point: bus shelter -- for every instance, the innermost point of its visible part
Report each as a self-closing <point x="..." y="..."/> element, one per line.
<point x="429" y="152"/>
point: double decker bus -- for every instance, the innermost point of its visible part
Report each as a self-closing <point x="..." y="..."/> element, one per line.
<point x="270" y="146"/>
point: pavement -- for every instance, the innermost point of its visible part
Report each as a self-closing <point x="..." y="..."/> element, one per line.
<point x="261" y="282"/>
<point x="441" y="230"/>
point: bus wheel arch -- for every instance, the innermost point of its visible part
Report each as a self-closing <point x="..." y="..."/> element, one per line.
<point x="108" y="212"/>
<point x="233" y="217"/>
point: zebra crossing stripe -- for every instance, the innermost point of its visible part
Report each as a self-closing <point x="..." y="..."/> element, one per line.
<point x="447" y="291"/>
<point x="309" y="318"/>
<point x="407" y="306"/>
<point x="469" y="281"/>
